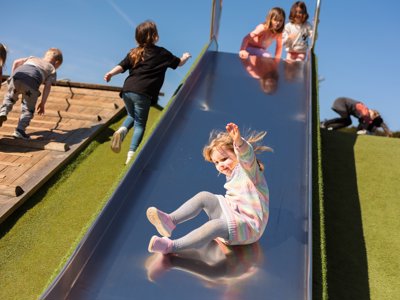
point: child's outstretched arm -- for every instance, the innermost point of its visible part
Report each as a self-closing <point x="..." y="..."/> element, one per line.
<point x="114" y="71"/>
<point x="278" y="47"/>
<point x="244" y="152"/>
<point x="243" y="53"/>
<point x="234" y="133"/>
<point x="184" y="58"/>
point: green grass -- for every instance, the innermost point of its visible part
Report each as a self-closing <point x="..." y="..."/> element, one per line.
<point x="378" y="159"/>
<point x="361" y="215"/>
<point x="39" y="237"/>
<point x="319" y="263"/>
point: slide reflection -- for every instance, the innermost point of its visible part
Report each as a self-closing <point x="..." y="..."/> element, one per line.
<point x="216" y="265"/>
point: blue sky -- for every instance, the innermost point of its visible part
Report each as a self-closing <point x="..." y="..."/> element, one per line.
<point x="356" y="47"/>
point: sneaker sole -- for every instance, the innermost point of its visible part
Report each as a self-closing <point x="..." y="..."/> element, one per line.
<point x="152" y="215"/>
<point x="151" y="243"/>
<point x="116" y="142"/>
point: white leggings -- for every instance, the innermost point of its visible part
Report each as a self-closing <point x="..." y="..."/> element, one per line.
<point x="217" y="226"/>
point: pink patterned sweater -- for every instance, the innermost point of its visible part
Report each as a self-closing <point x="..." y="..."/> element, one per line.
<point x="246" y="202"/>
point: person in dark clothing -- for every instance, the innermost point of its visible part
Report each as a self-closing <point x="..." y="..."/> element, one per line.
<point x="3" y="57"/>
<point x="147" y="65"/>
<point x="369" y="119"/>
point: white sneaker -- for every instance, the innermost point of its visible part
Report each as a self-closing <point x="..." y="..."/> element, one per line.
<point x="20" y="134"/>
<point x="117" y="139"/>
<point x="129" y="156"/>
<point x="362" y="132"/>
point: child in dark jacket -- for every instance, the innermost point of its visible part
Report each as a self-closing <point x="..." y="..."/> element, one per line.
<point x="369" y="119"/>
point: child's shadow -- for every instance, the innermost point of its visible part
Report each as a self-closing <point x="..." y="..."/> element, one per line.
<point x="71" y="137"/>
<point x="216" y="265"/>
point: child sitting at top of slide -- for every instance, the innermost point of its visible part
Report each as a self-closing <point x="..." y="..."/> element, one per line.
<point x="296" y="32"/>
<point x="258" y="41"/>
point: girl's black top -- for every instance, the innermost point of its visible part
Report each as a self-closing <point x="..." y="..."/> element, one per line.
<point x="147" y="77"/>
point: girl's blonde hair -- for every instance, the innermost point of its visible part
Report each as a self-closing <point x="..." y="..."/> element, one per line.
<point x="3" y="55"/>
<point x="275" y="13"/>
<point x="222" y="140"/>
<point x="146" y="34"/>
<point x="303" y="7"/>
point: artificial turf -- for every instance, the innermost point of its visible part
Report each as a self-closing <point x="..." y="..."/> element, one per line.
<point x="38" y="238"/>
<point x="361" y="204"/>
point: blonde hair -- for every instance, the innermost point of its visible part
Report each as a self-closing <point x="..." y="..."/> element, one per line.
<point x="146" y="34"/>
<point x="3" y="55"/>
<point x="222" y="140"/>
<point x="55" y="54"/>
<point x="275" y="13"/>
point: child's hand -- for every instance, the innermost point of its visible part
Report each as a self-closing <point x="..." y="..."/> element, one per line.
<point x="107" y="77"/>
<point x="186" y="55"/>
<point x="40" y="109"/>
<point x="234" y="133"/>
<point x="243" y="54"/>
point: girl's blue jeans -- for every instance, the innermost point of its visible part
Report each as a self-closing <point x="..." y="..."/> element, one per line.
<point x="137" y="107"/>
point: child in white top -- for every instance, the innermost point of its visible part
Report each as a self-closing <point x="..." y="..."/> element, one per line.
<point x="28" y="74"/>
<point x="296" y="32"/>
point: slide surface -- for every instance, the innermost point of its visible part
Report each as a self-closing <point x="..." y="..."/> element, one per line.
<point x="112" y="262"/>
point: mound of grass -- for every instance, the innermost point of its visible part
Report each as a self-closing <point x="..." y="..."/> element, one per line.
<point x="40" y="236"/>
<point x="361" y="215"/>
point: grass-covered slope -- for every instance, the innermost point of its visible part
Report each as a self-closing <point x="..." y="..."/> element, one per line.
<point x="38" y="238"/>
<point x="361" y="203"/>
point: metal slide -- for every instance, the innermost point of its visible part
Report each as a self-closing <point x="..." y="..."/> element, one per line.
<point x="112" y="261"/>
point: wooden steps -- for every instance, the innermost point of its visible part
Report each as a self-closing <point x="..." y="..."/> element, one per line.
<point x="74" y="113"/>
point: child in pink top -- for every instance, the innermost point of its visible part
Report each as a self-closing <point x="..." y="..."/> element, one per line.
<point x="258" y="41"/>
<point x="239" y="217"/>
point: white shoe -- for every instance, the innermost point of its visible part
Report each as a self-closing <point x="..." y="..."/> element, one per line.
<point x="117" y="139"/>
<point x="129" y="156"/>
<point x="362" y="132"/>
<point x="20" y="134"/>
